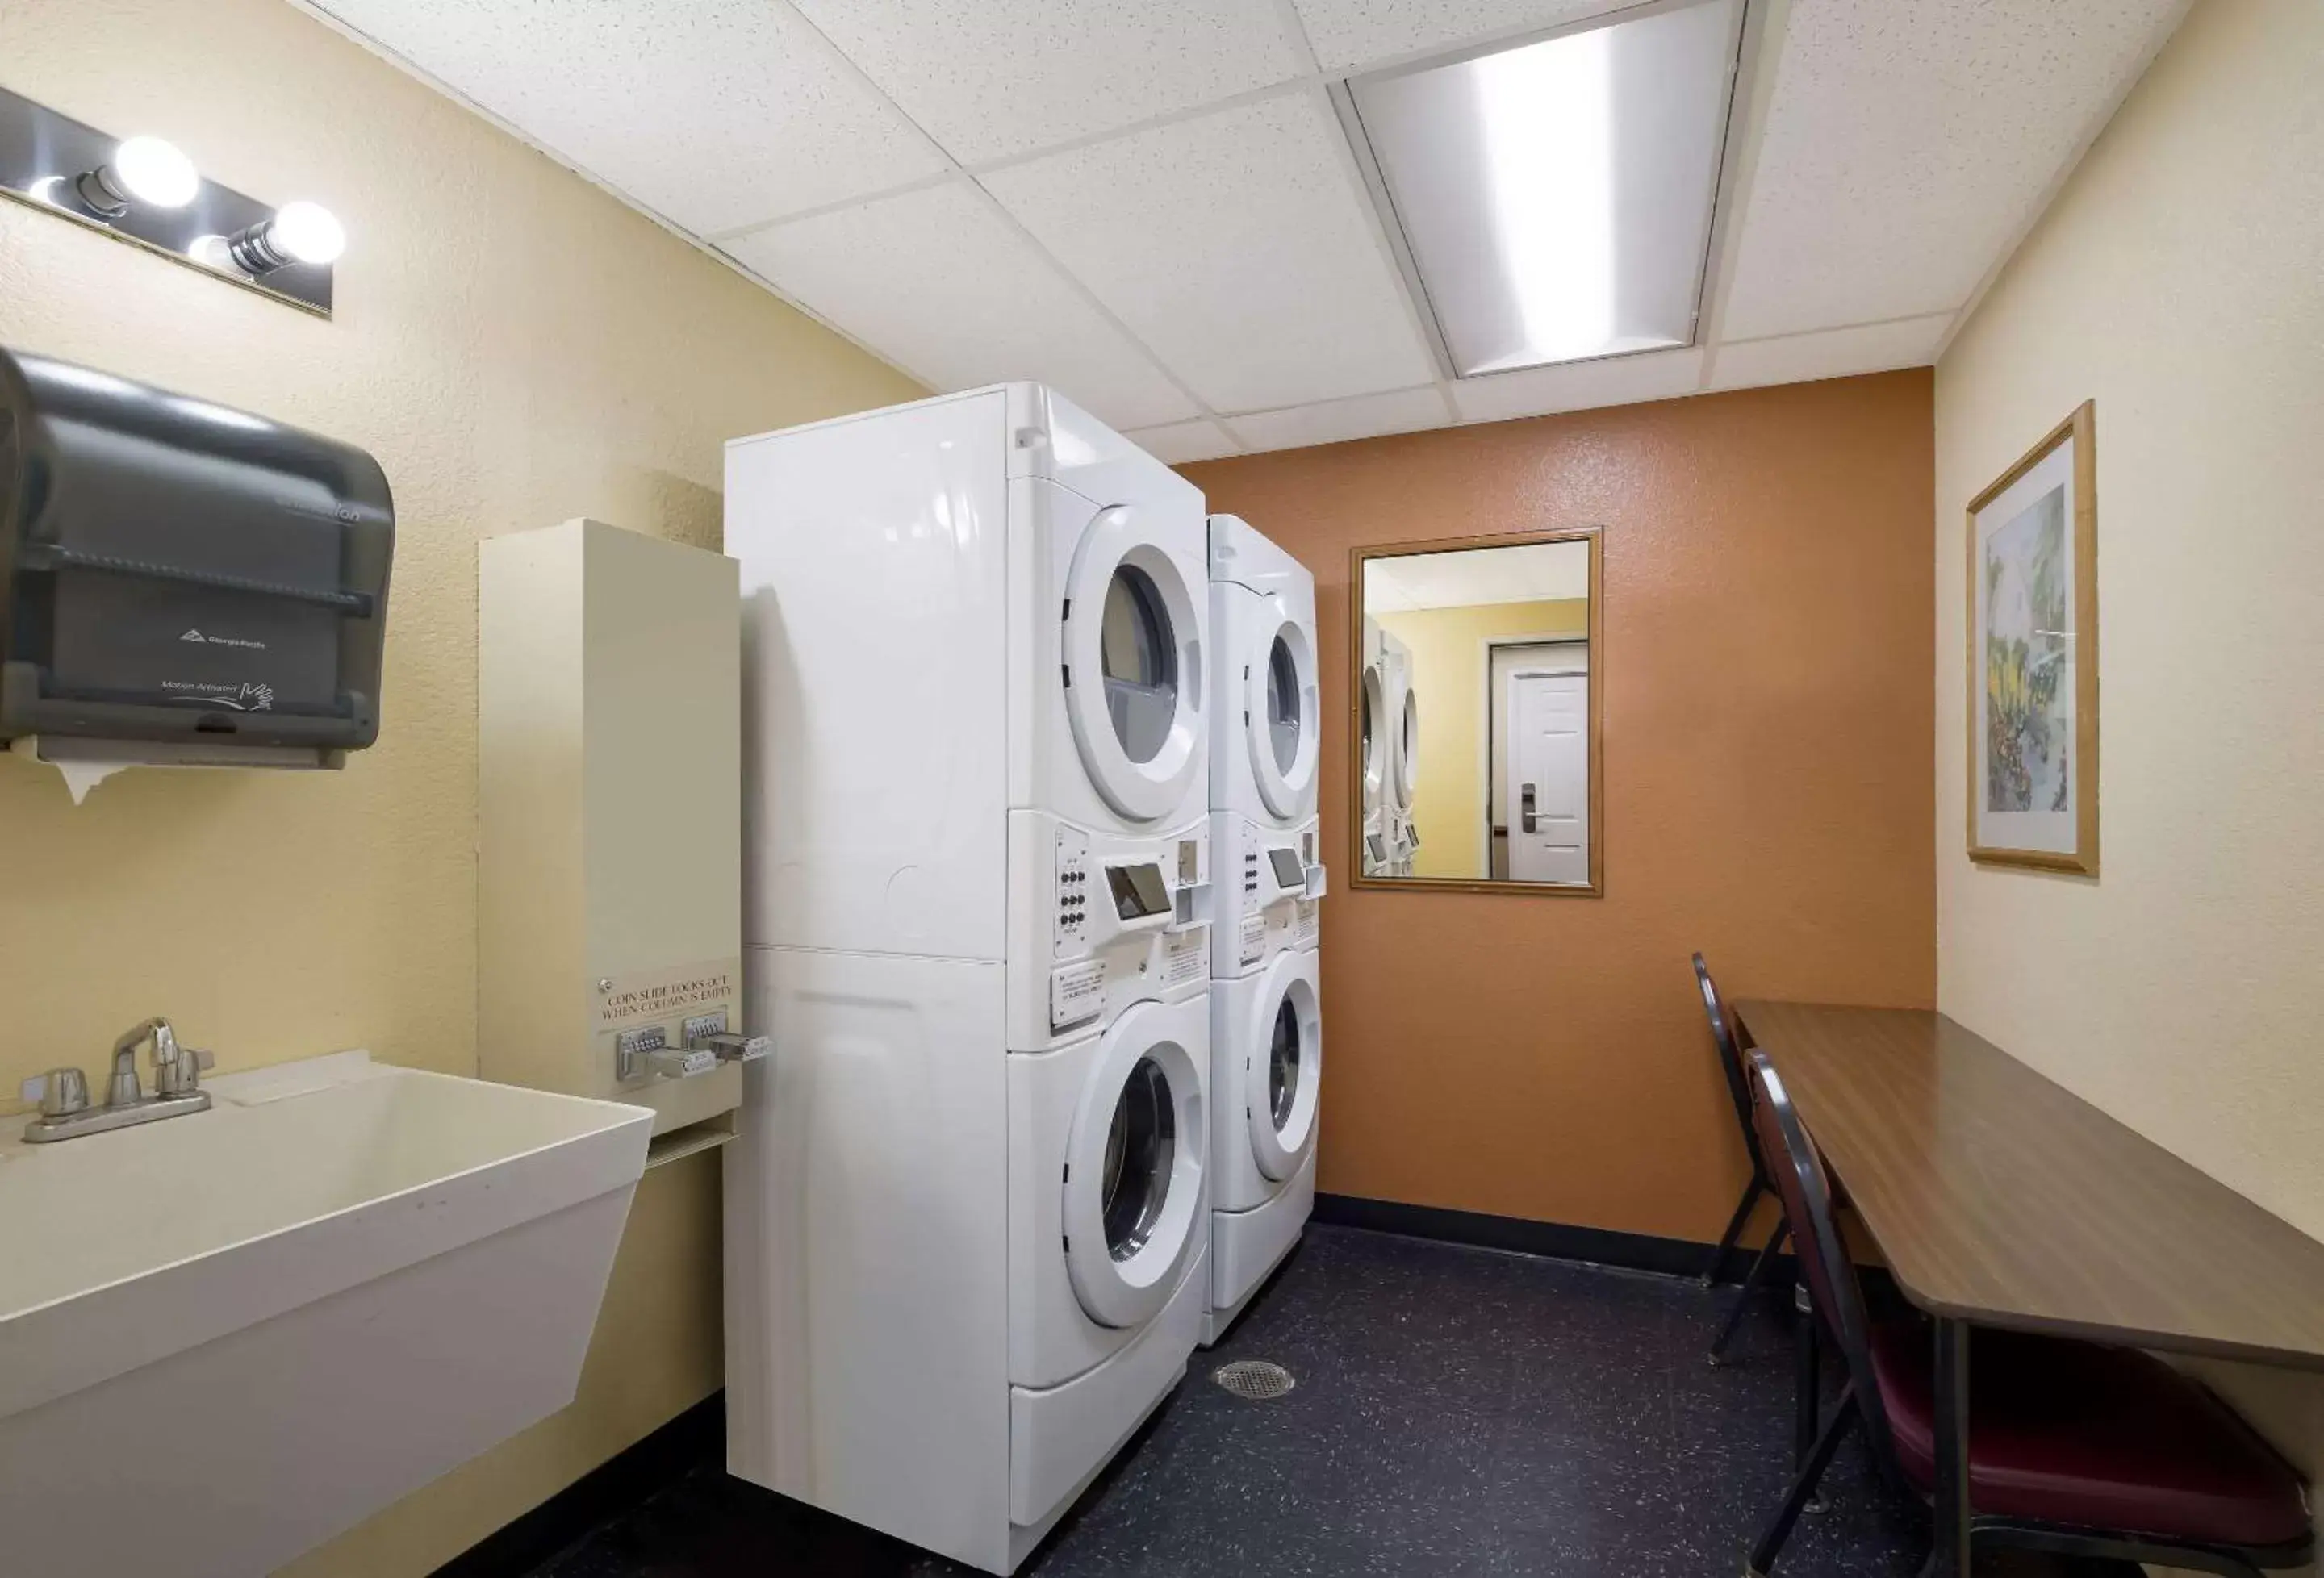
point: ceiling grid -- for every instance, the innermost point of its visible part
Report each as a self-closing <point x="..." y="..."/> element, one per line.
<point x="1151" y="205"/>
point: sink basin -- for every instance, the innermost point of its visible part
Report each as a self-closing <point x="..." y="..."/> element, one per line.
<point x="228" y="1336"/>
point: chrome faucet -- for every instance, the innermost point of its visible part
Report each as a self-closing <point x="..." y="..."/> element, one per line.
<point x="67" y="1113"/>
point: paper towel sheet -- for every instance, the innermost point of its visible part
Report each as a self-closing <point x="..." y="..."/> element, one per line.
<point x="84" y="764"/>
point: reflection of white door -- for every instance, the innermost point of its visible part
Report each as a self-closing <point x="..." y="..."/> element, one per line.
<point x="1548" y="793"/>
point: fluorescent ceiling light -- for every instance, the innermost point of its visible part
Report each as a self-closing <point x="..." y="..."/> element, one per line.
<point x="1555" y="199"/>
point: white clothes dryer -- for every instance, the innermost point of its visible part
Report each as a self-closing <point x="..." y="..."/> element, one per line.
<point x="954" y="608"/>
<point x="1373" y="750"/>
<point x="1266" y="1077"/>
<point x="1265" y="698"/>
<point x="977" y="926"/>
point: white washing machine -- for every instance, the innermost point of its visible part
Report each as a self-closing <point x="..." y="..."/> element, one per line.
<point x="1271" y="880"/>
<point x="1402" y="713"/>
<point x="967" y="1213"/>
<point x="1267" y="1030"/>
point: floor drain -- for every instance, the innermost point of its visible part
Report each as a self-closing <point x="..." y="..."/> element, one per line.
<point x="1254" y="1379"/>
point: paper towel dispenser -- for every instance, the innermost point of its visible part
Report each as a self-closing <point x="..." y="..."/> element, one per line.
<point x="175" y="570"/>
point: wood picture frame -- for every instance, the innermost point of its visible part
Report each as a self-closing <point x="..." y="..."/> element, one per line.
<point x="1357" y="559"/>
<point x="2032" y="682"/>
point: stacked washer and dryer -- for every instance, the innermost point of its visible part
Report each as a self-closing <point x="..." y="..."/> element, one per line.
<point x="1266" y="1001"/>
<point x="968" y="1212"/>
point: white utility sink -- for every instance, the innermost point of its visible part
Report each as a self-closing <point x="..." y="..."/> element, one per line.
<point x="227" y="1336"/>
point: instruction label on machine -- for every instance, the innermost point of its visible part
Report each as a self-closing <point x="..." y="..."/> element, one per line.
<point x="1185" y="957"/>
<point x="1251" y="936"/>
<point x="658" y="997"/>
<point x="1077" y="992"/>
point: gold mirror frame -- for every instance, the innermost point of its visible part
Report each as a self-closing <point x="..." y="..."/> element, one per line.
<point x="1357" y="559"/>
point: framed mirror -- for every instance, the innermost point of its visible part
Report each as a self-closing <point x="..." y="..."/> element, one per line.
<point x="1477" y="674"/>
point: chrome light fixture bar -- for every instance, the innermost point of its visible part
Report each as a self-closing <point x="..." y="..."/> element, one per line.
<point x="145" y="192"/>
<point x="1553" y="200"/>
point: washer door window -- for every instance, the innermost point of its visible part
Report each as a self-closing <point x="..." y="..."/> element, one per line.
<point x="1134" y="1175"/>
<point x="1133" y="665"/>
<point x="1280" y="706"/>
<point x="1284" y="1074"/>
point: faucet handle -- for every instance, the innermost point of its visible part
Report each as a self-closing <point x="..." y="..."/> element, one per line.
<point x="60" y="1092"/>
<point x="180" y="1073"/>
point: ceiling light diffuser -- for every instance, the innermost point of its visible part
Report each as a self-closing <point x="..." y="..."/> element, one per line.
<point x="1555" y="199"/>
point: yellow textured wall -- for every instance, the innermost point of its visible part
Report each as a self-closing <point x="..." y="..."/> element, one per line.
<point x="516" y="348"/>
<point x="2175" y="281"/>
<point x="1448" y="678"/>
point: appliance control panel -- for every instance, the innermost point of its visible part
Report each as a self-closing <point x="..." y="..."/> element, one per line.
<point x="1125" y="918"/>
<point x="1073" y="894"/>
<point x="1273" y="902"/>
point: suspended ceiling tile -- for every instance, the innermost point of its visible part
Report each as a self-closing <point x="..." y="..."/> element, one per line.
<point x="947" y="288"/>
<point x="1349" y="34"/>
<point x="1404" y="411"/>
<point x="1831" y="353"/>
<point x="1182" y="443"/>
<point x="714" y="114"/>
<point x="989" y="80"/>
<point x="1236" y="247"/>
<point x="1578" y="386"/>
<point x="1906" y="146"/>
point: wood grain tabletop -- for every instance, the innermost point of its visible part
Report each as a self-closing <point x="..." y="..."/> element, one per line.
<point x="2000" y="1197"/>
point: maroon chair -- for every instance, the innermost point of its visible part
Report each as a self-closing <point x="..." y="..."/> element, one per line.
<point x="2074" y="1448"/>
<point x="1731" y="1064"/>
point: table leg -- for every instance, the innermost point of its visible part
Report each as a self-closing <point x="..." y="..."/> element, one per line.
<point x="1951" y="1506"/>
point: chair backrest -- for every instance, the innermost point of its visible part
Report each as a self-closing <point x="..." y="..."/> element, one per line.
<point x="1730" y="1061"/>
<point x="1799" y="1176"/>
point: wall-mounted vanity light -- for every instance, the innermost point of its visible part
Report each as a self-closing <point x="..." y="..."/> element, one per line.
<point x="145" y="191"/>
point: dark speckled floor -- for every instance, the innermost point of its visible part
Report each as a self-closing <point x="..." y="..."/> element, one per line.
<point x="1457" y="1412"/>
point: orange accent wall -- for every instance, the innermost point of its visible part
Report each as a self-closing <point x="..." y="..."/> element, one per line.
<point x="1770" y="779"/>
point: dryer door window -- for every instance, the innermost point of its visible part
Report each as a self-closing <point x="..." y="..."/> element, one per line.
<point x="1133" y="1180"/>
<point x="1374" y="732"/>
<point x="1285" y="1077"/>
<point x="1285" y="711"/>
<point x="1408" y="750"/>
<point x="1133" y="666"/>
<point x="1282" y="706"/>
<point x="1140" y="662"/>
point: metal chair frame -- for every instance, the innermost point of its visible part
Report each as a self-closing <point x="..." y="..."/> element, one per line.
<point x="1731" y="1064"/>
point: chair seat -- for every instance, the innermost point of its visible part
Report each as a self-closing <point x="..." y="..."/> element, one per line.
<point x="2072" y="1433"/>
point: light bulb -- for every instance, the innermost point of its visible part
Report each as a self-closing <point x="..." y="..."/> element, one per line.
<point x="296" y="232"/>
<point x="152" y="172"/>
<point x="309" y="233"/>
<point x="212" y="252"/>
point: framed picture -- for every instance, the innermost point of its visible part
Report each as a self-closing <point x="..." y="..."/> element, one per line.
<point x="2033" y="657"/>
